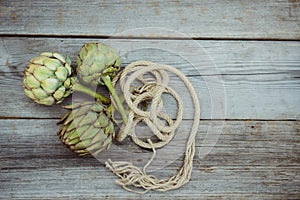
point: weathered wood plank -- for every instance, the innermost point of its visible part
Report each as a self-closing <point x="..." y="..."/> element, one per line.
<point x="257" y="159"/>
<point x="27" y="139"/>
<point x="97" y="182"/>
<point x="261" y="79"/>
<point x="230" y="57"/>
<point x="274" y="19"/>
<point x="244" y="99"/>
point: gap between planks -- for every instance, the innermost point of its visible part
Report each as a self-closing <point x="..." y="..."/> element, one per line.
<point x="69" y="36"/>
<point x="207" y="120"/>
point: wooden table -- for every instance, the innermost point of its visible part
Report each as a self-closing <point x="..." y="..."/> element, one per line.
<point x="255" y="46"/>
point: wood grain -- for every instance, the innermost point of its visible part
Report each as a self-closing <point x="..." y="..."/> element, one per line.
<point x="261" y="79"/>
<point x="273" y="19"/>
<point x="249" y="50"/>
<point x="252" y="159"/>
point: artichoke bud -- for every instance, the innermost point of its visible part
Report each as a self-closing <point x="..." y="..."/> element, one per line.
<point x="95" y="60"/>
<point x="86" y="128"/>
<point x="48" y="78"/>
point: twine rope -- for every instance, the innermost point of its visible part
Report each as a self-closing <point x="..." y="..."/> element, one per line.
<point x="152" y="89"/>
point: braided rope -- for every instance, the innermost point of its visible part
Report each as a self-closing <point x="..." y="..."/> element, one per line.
<point x="153" y="88"/>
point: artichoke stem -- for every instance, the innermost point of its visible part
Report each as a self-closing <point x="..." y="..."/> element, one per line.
<point x="108" y="83"/>
<point x="80" y="88"/>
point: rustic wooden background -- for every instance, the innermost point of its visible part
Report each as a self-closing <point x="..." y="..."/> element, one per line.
<point x="255" y="45"/>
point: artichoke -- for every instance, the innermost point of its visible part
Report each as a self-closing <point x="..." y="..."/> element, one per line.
<point x="48" y="78"/>
<point x="98" y="64"/>
<point x="96" y="60"/>
<point x="87" y="128"/>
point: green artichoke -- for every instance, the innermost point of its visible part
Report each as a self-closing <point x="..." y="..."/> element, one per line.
<point x="98" y="64"/>
<point x="96" y="60"/>
<point x="87" y="128"/>
<point x="48" y="78"/>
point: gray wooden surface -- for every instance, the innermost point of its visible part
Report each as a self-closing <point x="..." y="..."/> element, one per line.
<point x="200" y="19"/>
<point x="255" y="46"/>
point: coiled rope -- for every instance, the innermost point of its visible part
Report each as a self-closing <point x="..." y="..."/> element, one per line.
<point x="152" y="89"/>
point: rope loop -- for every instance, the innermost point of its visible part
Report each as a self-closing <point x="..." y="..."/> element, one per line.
<point x="155" y="79"/>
